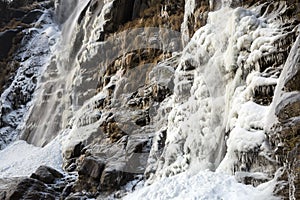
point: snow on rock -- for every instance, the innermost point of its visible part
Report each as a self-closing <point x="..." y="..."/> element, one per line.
<point x="22" y="159"/>
<point x="214" y="86"/>
<point x="282" y="96"/>
<point x="203" y="185"/>
<point x="34" y="55"/>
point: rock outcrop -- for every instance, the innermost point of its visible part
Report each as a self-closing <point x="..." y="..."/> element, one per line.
<point x="285" y="134"/>
<point x="129" y="82"/>
<point x="126" y="113"/>
<point x="20" y="67"/>
<point x="45" y="183"/>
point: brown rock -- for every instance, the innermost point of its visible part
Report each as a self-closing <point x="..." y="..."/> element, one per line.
<point x="114" y="176"/>
<point x="92" y="168"/>
<point x="288" y="107"/>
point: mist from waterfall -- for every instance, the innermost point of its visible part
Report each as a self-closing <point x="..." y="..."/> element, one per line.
<point x="53" y="105"/>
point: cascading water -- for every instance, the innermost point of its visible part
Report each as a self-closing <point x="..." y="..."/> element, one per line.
<point x="35" y="52"/>
<point x="53" y="106"/>
<point x="208" y="115"/>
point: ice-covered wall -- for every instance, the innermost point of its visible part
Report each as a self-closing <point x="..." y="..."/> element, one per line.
<point x="217" y="121"/>
<point x="132" y="104"/>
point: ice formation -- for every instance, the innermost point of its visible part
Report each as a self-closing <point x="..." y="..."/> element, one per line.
<point x="213" y="123"/>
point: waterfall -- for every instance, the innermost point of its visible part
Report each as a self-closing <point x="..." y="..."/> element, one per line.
<point x="119" y="106"/>
<point x="53" y="104"/>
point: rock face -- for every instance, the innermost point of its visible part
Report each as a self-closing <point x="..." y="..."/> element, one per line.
<point x="285" y="135"/>
<point x="20" y="65"/>
<point x="140" y="103"/>
<point x="15" y="18"/>
<point x="7" y="40"/>
<point x="129" y="134"/>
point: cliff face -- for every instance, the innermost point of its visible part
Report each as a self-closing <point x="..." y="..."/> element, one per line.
<point x="15" y="18"/>
<point x="145" y="89"/>
<point x="21" y="59"/>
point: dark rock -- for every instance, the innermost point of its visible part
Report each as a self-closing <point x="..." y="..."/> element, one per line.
<point x="68" y="163"/>
<point x="143" y="121"/>
<point x="288" y="107"/>
<point x="72" y="167"/>
<point x="6" y="41"/>
<point x="138" y="7"/>
<point x="8" y="186"/>
<point x="74" y="151"/>
<point x="89" y="174"/>
<point x="67" y="191"/>
<point x="76" y="196"/>
<point x="189" y="64"/>
<point x="46" y="174"/>
<point x="263" y="94"/>
<point x="91" y="168"/>
<point x="293" y="83"/>
<point x="285" y="135"/>
<point x="17" y="13"/>
<point x="114" y="176"/>
<point x="121" y="14"/>
<point x="32" y="16"/>
<point x="32" y="189"/>
<point x="251" y="179"/>
<point x="136" y="144"/>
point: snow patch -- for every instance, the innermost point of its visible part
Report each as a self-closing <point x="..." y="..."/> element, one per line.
<point x="22" y="159"/>
<point x="203" y="185"/>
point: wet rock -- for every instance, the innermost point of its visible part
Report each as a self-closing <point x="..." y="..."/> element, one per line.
<point x="285" y="135"/>
<point x="76" y="196"/>
<point x="251" y="178"/>
<point x="32" y="16"/>
<point x="67" y="191"/>
<point x="46" y="174"/>
<point x="7" y="41"/>
<point x="72" y="167"/>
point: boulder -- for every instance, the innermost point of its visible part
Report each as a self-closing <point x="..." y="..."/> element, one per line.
<point x="91" y="167"/>
<point x="114" y="176"/>
<point x="30" y="188"/>
<point x="46" y="174"/>
<point x="89" y="174"/>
